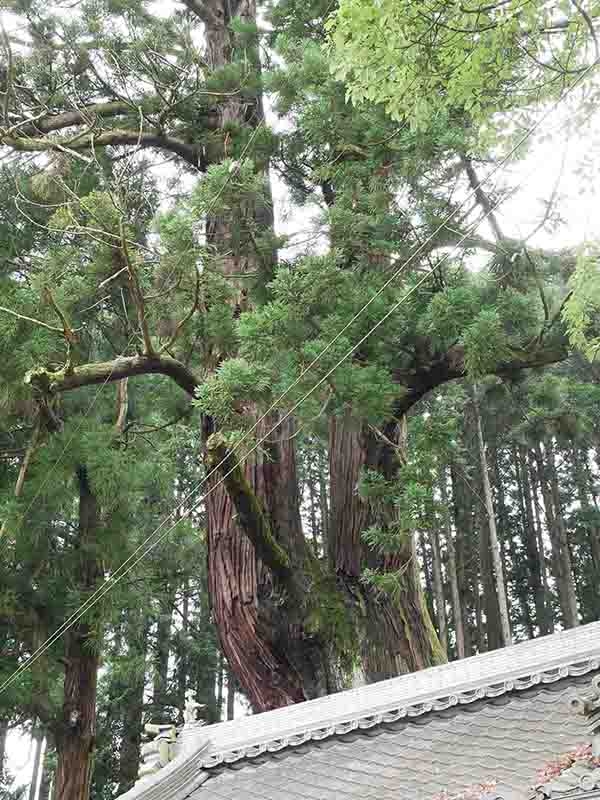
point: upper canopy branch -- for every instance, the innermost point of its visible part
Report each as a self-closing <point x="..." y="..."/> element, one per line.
<point x="190" y="153"/>
<point x="451" y="366"/>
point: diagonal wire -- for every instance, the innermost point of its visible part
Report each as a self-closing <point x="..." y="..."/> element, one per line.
<point x="148" y="544"/>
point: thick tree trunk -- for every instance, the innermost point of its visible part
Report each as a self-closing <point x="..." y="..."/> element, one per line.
<point x="561" y="557"/>
<point x="260" y="565"/>
<point x="259" y="624"/>
<point x="397" y="634"/>
<point x="76" y="735"/>
<point x="493" y="535"/>
<point x="260" y="630"/>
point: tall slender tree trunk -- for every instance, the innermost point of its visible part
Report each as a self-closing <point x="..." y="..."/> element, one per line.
<point x="438" y="587"/>
<point x="589" y="513"/>
<point x="537" y="514"/>
<point x="493" y="534"/>
<point x="462" y="498"/>
<point x="76" y="734"/>
<point x="313" y="515"/>
<point x="323" y="500"/>
<point x="536" y="567"/>
<point x="457" y="612"/>
<point x="490" y="635"/>
<point x="136" y="632"/>
<point x="561" y="557"/>
<point x="3" y="737"/>
<point x="38" y="744"/>
<point x="160" y="694"/>
<point x="230" y="695"/>
<point x="427" y="575"/>
<point x="46" y="781"/>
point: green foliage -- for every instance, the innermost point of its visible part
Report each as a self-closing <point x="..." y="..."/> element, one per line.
<point x="236" y="384"/>
<point x="486" y="343"/>
<point x="580" y="312"/>
<point x="453" y="62"/>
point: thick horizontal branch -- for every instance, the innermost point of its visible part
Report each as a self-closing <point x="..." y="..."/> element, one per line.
<point x="451" y="366"/>
<point x="51" y="123"/>
<point x="46" y="382"/>
<point x="111" y="138"/>
<point x="252" y="517"/>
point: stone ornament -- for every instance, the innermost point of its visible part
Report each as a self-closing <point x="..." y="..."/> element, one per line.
<point x="191" y="714"/>
<point x="157" y="752"/>
<point x="587" y="704"/>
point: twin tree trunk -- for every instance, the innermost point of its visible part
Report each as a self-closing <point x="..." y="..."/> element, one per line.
<point x="263" y="575"/>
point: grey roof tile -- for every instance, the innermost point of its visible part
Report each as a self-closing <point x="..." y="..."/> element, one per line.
<point x="496" y="716"/>
<point x="506" y="742"/>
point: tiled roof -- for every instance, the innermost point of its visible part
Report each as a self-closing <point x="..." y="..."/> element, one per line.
<point x="504" y="739"/>
<point x="409" y="737"/>
<point x="578" y="781"/>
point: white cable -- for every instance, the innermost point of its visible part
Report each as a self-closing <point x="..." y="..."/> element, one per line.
<point x="124" y="568"/>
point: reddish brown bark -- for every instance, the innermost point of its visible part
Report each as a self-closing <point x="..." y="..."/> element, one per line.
<point x="258" y="620"/>
<point x="397" y="633"/>
<point x="77" y="730"/>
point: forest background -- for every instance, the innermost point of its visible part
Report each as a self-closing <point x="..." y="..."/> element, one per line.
<point x="422" y="491"/>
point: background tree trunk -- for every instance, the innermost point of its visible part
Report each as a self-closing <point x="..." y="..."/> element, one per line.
<point x="133" y="701"/>
<point x="457" y="612"/>
<point x="46" y="781"/>
<point x="38" y="743"/>
<point x="76" y="733"/>
<point x="561" y="557"/>
<point x="3" y="737"/>
<point x="230" y="695"/>
<point x="438" y="588"/>
<point x="493" y="534"/>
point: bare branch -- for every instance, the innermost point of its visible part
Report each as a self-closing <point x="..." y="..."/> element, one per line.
<point x="24" y="467"/>
<point x="136" y="293"/>
<point x="186" y="319"/>
<point x="122" y="405"/>
<point x="31" y="319"/>
<point x="590" y="24"/>
<point x="482" y="198"/>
